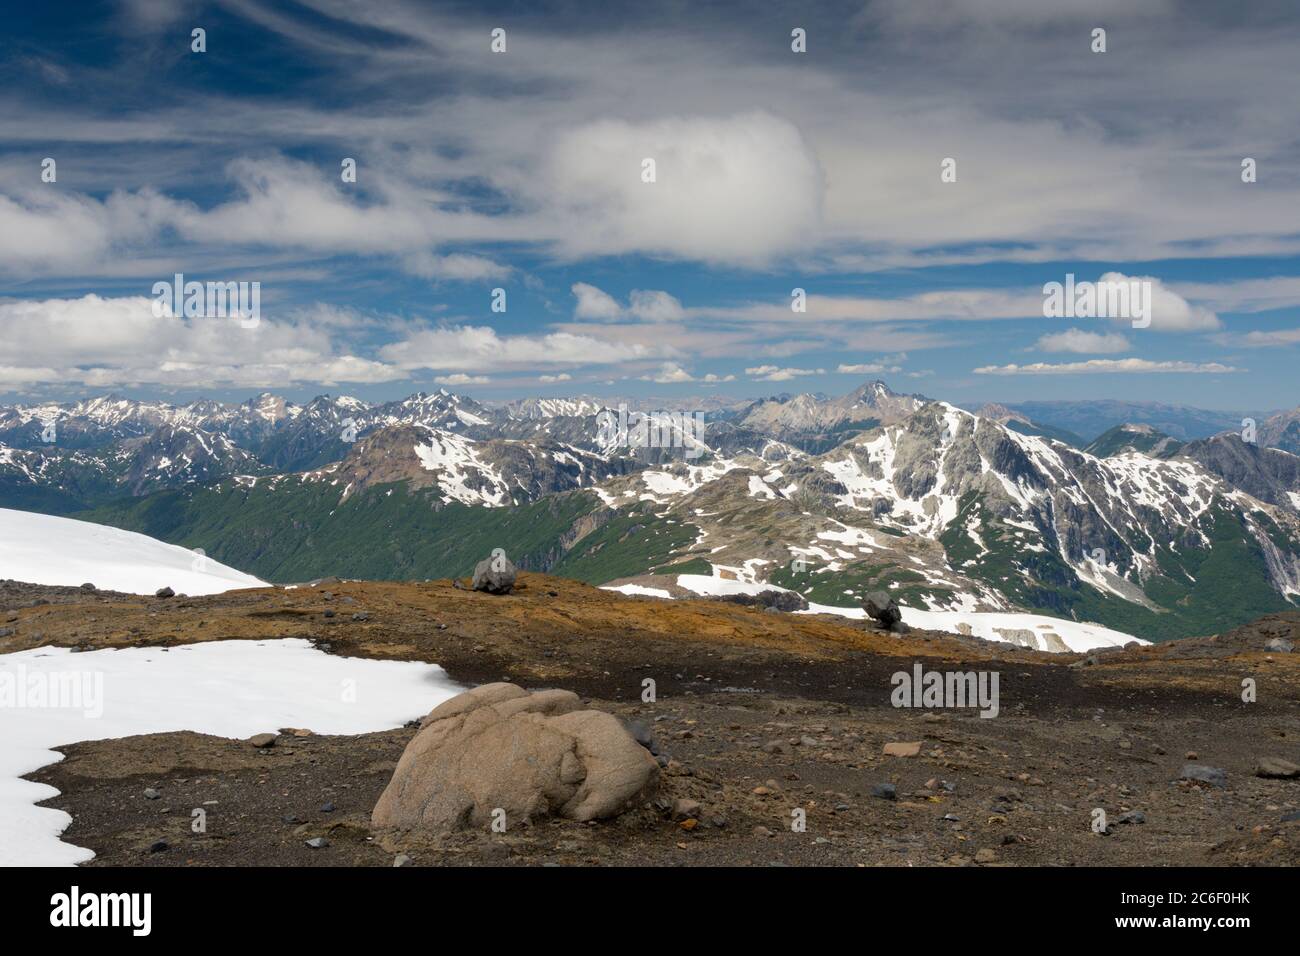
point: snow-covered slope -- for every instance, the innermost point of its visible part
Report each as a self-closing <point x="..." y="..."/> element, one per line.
<point x="226" y="688"/>
<point x="41" y="549"/>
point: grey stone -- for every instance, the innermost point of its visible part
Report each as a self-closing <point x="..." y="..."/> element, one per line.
<point x="495" y="575"/>
<point x="882" y="609"/>
<point x="1201" y="773"/>
<point x="1276" y="768"/>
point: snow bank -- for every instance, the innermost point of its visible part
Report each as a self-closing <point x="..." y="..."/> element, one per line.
<point x="1036" y="631"/>
<point x="225" y="688"/>
<point x="639" y="589"/>
<point x="1029" y="630"/>
<point x="42" y="549"/>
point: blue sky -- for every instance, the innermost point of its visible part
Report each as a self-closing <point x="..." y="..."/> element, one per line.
<point x="775" y="170"/>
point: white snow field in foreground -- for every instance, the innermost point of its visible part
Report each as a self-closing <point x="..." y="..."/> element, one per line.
<point x="225" y="688"/>
<point x="43" y="549"/>
<point x="1036" y="631"/>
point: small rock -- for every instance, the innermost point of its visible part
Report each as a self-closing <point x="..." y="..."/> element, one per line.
<point x="164" y="593"/>
<point x="151" y="794"/>
<point x="903" y="749"/>
<point x="88" y="586"/>
<point x="985" y="856"/>
<point x="158" y="846"/>
<point x="361" y="616"/>
<point x="685" y="809"/>
<point x="885" y="791"/>
<point x="1133" y="816"/>
<point x="401" y="860"/>
<point x="1280" y="644"/>
<point x="327" y="808"/>
<point x="1276" y="768"/>
<point x="1200" y="773"/>
<point x="262" y="741"/>
<point x="318" y="843"/>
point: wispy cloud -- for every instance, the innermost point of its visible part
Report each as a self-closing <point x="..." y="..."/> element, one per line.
<point x="1095" y="366"/>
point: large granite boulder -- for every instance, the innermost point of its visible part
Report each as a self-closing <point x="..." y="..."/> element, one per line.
<point x="530" y="754"/>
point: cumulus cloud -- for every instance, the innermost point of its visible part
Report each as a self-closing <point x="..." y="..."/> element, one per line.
<point x="119" y="341"/>
<point x="648" y="305"/>
<point x="652" y="306"/>
<point x="594" y="303"/>
<point x="481" y="349"/>
<point x="1128" y="365"/>
<point x="461" y="378"/>
<point x="1170" y="312"/>
<point x="773" y="373"/>
<point x="552" y="379"/>
<point x="742" y="188"/>
<point x="669" y="374"/>
<point x="1077" y="340"/>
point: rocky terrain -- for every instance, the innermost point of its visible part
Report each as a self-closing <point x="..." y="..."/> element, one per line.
<point x="759" y="720"/>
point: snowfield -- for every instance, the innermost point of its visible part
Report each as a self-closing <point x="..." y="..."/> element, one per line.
<point x="42" y="549"/>
<point x="225" y="688"/>
<point x="1036" y="631"/>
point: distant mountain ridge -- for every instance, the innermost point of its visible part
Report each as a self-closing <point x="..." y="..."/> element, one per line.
<point x="831" y="497"/>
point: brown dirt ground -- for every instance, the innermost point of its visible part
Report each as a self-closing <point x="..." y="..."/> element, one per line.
<point x="730" y="680"/>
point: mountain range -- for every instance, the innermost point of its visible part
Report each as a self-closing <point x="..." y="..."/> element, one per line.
<point x="1136" y="529"/>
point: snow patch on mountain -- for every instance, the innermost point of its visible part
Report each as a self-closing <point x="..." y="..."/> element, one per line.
<point x="42" y="549"/>
<point x="1033" y="631"/>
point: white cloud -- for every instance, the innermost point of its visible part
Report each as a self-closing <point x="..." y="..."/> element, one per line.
<point x="669" y="373"/>
<point x="1084" y="343"/>
<point x="594" y="303"/>
<point x="1170" y="312"/>
<point x="456" y="266"/>
<point x="739" y="188"/>
<point x="461" y="379"/>
<point x="872" y="368"/>
<point x="1128" y="365"/>
<point x="551" y="379"/>
<point x="119" y="341"/>
<point x="652" y="306"/>
<point x="648" y="305"/>
<point x="773" y="373"/>
<point x="481" y="349"/>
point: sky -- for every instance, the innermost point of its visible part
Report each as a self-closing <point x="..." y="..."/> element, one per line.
<point x="921" y="170"/>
